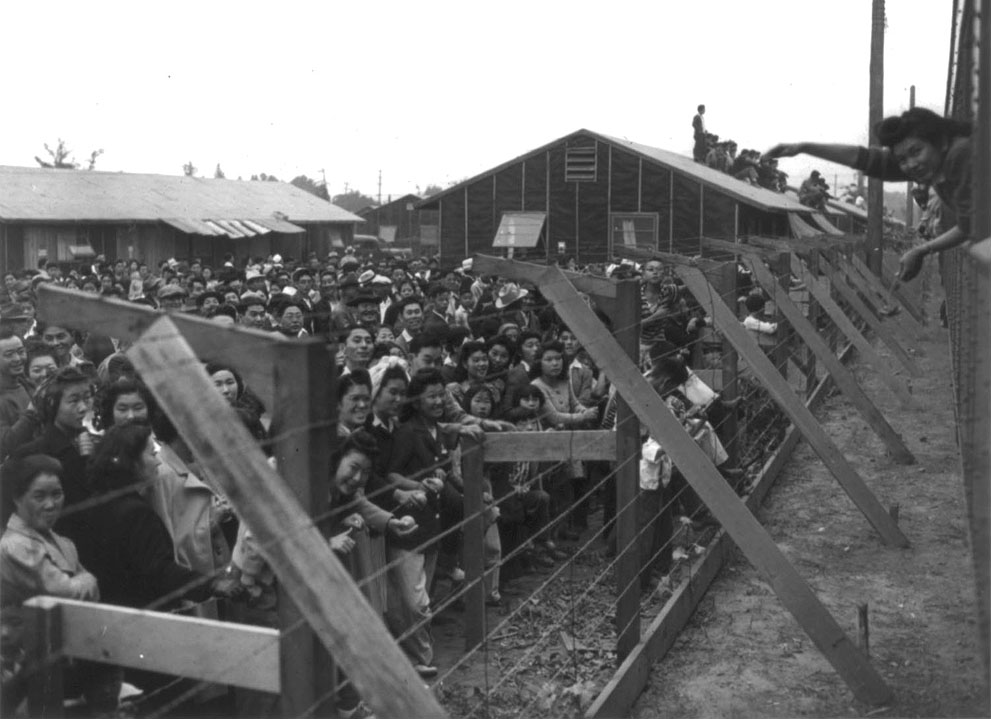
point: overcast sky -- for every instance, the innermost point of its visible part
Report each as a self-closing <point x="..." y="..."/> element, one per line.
<point x="439" y="91"/>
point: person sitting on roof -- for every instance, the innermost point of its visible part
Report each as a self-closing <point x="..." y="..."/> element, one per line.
<point x="814" y="191"/>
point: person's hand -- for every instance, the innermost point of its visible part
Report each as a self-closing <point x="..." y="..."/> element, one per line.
<point x="473" y="431"/>
<point x="355" y="522"/>
<point x="590" y="414"/>
<point x="342" y="543"/>
<point x="88" y="588"/>
<point x="785" y="149"/>
<point x="226" y="586"/>
<point x="433" y="484"/>
<point x="911" y="264"/>
<point x="406" y="497"/>
<point x="402" y="526"/>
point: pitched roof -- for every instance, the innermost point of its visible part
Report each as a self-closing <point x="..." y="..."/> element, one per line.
<point x="720" y="181"/>
<point x="40" y="194"/>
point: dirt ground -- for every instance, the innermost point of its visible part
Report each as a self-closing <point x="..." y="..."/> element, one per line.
<point x="744" y="655"/>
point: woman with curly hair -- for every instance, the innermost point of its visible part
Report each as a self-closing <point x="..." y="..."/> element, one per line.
<point x="918" y="146"/>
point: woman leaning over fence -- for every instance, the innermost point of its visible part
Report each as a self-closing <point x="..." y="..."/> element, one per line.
<point x="918" y="146"/>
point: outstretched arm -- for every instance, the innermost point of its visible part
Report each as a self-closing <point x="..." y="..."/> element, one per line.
<point x="840" y="154"/>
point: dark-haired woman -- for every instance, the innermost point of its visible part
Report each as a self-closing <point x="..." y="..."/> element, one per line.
<point x="564" y="411"/>
<point x="919" y="146"/>
<point x="62" y="404"/>
<point x="34" y="561"/>
<point x="230" y="385"/>
<point x="135" y="558"/>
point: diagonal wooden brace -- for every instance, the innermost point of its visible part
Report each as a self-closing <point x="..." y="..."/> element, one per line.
<point x="852" y="483"/>
<point x="849" y="662"/>
<point x="301" y="558"/>
<point x="842" y="376"/>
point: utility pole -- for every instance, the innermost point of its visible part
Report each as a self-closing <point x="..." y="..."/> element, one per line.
<point x="875" y="187"/>
<point x="909" y="202"/>
<point x="380" y="187"/>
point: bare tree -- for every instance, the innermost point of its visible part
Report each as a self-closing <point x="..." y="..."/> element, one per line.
<point x="60" y="157"/>
<point x="92" y="158"/>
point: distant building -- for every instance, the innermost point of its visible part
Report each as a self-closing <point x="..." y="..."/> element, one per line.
<point x="400" y="222"/>
<point x="59" y="214"/>
<point x="584" y="193"/>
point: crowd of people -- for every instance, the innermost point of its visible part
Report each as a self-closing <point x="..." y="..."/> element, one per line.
<point x="105" y="502"/>
<point x="749" y="165"/>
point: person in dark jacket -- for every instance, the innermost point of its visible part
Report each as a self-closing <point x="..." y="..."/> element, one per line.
<point x="62" y="404"/>
<point x="134" y="559"/>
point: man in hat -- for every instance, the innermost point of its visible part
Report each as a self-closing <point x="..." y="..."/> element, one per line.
<point x="365" y="309"/>
<point x="254" y="281"/>
<point x="19" y="317"/>
<point x="172" y="298"/>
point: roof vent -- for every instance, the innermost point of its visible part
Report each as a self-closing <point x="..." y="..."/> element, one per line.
<point x="580" y="164"/>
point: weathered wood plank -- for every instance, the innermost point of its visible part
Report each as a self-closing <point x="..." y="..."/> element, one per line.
<point x="880" y="329"/>
<point x="822" y="295"/>
<point x="294" y="548"/>
<point x="618" y="696"/>
<point x="715" y="492"/>
<point x="627" y="445"/>
<point x="586" y="444"/>
<point x="530" y="272"/>
<point x="303" y="437"/>
<point x="43" y="660"/>
<point x="202" y="649"/>
<point x="237" y="346"/>
<point x="852" y="483"/>
<point x="842" y="376"/>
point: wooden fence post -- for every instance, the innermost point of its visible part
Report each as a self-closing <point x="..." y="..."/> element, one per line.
<point x="300" y="556"/>
<point x="43" y="647"/>
<point x="472" y="468"/>
<point x="303" y="436"/>
<point x="626" y="326"/>
<point x="716" y="494"/>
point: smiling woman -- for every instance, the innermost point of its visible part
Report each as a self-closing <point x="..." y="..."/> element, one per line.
<point x="920" y="146"/>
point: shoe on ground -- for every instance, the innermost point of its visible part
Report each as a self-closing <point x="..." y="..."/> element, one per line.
<point x="494" y="599"/>
<point x="425" y="670"/>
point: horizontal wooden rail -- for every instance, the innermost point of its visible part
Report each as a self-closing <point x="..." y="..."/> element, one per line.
<point x="203" y="649"/>
<point x="601" y="287"/>
<point x="550" y="446"/>
<point x="236" y="346"/>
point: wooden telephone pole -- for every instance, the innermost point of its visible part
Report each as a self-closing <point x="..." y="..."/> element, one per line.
<point x="875" y="187"/>
<point x="909" y="202"/>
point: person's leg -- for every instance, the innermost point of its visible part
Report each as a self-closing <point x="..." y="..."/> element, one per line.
<point x="409" y="603"/>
